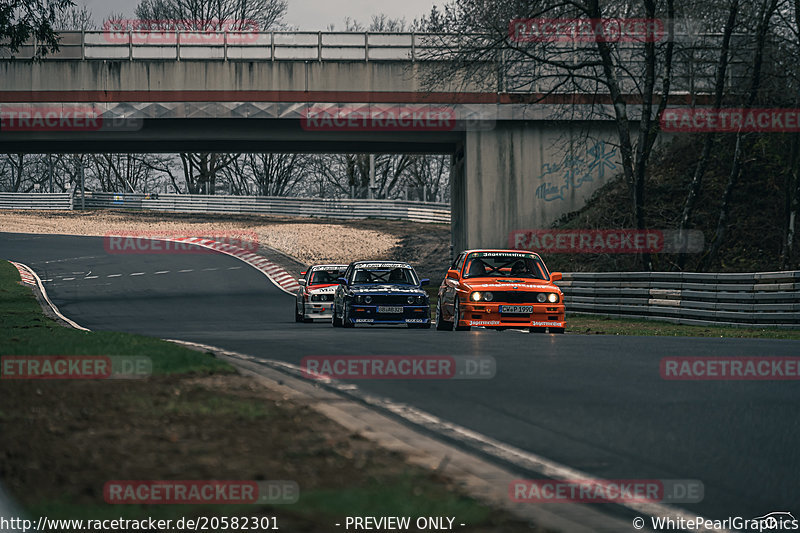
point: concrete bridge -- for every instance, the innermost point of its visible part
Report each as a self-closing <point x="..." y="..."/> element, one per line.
<point x="520" y="159"/>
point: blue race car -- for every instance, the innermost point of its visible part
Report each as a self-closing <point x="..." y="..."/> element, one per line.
<point x="381" y="292"/>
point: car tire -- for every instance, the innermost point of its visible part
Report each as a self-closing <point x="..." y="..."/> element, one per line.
<point x="557" y="330"/>
<point x="346" y="319"/>
<point x="308" y="320"/>
<point x="441" y="324"/>
<point x="336" y="321"/>
<point x="297" y="316"/>
<point x="457" y="317"/>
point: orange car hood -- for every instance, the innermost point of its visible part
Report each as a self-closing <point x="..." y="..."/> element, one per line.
<point x="510" y="284"/>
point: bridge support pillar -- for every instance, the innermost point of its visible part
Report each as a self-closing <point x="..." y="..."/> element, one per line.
<point x="525" y="175"/>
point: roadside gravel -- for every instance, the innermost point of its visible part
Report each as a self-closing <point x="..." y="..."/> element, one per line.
<point x="305" y="241"/>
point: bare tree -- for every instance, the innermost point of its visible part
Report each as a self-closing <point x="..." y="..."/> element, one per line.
<point x="486" y="53"/>
<point x="719" y="91"/>
<point x="766" y="10"/>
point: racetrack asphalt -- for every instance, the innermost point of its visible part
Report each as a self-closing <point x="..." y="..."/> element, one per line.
<point x="592" y="402"/>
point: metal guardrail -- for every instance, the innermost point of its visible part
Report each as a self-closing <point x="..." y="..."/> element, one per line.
<point x="36" y="200"/>
<point x="765" y="299"/>
<point x="696" y="56"/>
<point x="274" y="205"/>
<point x="244" y="45"/>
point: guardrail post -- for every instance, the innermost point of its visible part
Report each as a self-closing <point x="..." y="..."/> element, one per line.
<point x="130" y="45"/>
<point x="83" y="45"/>
<point x="413" y="47"/>
<point x="178" y="45"/>
<point x="366" y="46"/>
<point x="272" y="45"/>
<point x="225" y="45"/>
<point x="83" y="188"/>
<point x="319" y="46"/>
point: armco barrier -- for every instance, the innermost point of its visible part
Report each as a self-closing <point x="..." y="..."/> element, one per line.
<point x="273" y="205"/>
<point x="22" y="200"/>
<point x="765" y="299"/>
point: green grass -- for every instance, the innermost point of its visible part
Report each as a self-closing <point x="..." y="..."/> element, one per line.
<point x="404" y="495"/>
<point x="24" y="330"/>
<point x="578" y="323"/>
<point x="202" y="404"/>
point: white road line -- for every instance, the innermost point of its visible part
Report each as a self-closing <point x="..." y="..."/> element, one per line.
<point x="113" y="275"/>
<point x="209" y="269"/>
<point x="234" y="268"/>
<point x="137" y="274"/>
<point x="162" y="272"/>
<point x="186" y="270"/>
<point x="67" y="279"/>
<point x="90" y="277"/>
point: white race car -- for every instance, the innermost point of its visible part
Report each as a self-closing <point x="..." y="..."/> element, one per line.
<point x="315" y="295"/>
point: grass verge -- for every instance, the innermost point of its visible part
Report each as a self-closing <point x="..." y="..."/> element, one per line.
<point x="61" y="441"/>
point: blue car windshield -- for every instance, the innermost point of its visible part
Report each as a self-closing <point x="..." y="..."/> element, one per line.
<point x="400" y="275"/>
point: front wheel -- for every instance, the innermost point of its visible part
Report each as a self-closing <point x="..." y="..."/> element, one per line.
<point x="336" y="321"/>
<point x="441" y="324"/>
<point x="457" y="318"/>
<point x="557" y="330"/>
<point x="346" y="317"/>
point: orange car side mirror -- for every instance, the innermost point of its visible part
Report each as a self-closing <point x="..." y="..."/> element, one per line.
<point x="453" y="274"/>
<point x="555" y="276"/>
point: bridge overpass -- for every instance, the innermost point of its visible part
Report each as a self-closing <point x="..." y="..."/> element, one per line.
<point x="520" y="159"/>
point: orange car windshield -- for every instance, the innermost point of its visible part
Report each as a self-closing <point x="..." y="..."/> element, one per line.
<point x="486" y="264"/>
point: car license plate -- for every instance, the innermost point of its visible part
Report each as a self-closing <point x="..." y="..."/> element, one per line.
<point x="390" y="308"/>
<point x="516" y="309"/>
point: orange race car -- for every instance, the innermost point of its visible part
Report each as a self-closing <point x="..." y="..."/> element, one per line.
<point x="500" y="289"/>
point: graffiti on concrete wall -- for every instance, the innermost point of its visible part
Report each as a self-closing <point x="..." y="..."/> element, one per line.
<point x="574" y="170"/>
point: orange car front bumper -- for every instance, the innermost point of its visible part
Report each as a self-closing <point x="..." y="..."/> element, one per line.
<point x="490" y="315"/>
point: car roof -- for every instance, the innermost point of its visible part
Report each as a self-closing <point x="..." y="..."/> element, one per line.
<point x="321" y="267"/>
<point x="500" y="250"/>
<point x="400" y="264"/>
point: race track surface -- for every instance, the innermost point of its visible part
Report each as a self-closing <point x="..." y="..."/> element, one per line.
<point x="592" y="402"/>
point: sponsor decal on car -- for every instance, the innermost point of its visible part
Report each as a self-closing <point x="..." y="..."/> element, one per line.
<point x="484" y="322"/>
<point x="551" y="324"/>
<point x="383" y="265"/>
<point x="415" y="320"/>
<point x="365" y="320"/>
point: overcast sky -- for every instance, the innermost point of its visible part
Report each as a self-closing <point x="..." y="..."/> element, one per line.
<point x="305" y="14"/>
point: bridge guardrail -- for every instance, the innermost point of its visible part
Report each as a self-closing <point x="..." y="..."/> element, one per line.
<point x="759" y="299"/>
<point x="275" y="205"/>
<point x="36" y="200"/>
<point x="695" y="71"/>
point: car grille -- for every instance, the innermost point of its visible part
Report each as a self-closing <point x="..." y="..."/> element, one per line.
<point x="514" y="297"/>
<point x="387" y="299"/>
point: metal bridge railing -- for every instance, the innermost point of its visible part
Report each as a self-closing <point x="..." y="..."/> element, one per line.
<point x="696" y="55"/>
